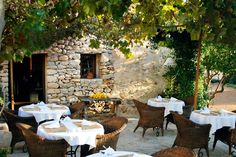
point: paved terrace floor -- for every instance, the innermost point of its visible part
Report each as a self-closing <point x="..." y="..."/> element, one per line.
<point x="130" y="141"/>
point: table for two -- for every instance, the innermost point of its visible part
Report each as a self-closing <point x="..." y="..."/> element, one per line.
<point x="42" y="111"/>
<point x="76" y="132"/>
<point x="170" y="105"/>
<point x="119" y="154"/>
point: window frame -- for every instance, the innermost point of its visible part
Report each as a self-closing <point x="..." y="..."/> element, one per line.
<point x="94" y="64"/>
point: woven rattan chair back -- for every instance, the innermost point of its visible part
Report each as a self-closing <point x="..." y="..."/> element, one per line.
<point x="113" y="127"/>
<point x="11" y="119"/>
<point x="175" y="152"/>
<point x="187" y="109"/>
<point x="40" y="147"/>
<point x="227" y="136"/>
<point x="149" y="117"/>
<point x="190" y="134"/>
<point x="77" y="110"/>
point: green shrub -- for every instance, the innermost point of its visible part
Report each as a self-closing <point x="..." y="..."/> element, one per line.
<point x="180" y="78"/>
<point x="232" y="79"/>
<point x="4" y="152"/>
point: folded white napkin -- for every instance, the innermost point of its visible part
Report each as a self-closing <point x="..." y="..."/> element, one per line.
<point x="173" y="99"/>
<point x="85" y="122"/>
<point x="67" y="122"/>
<point x="158" y="98"/>
<point x="53" y="125"/>
<point x="67" y="118"/>
<point x="206" y="111"/>
<point x="223" y="112"/>
<point x="41" y="103"/>
<point x="107" y="151"/>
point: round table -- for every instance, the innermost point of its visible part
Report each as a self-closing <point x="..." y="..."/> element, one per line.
<point x="119" y="154"/>
<point x="75" y="131"/>
<point x="44" y="112"/>
<point x="169" y="105"/>
<point x="214" y="118"/>
<point x="175" y="152"/>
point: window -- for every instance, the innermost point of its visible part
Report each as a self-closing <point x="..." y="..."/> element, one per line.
<point x="89" y="65"/>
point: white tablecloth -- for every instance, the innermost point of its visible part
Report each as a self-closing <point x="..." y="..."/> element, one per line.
<point x="74" y="135"/>
<point x="44" y="112"/>
<point x="119" y="153"/>
<point x="169" y="105"/>
<point x="216" y="120"/>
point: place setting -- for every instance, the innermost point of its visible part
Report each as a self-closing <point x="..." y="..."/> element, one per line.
<point x="112" y="153"/>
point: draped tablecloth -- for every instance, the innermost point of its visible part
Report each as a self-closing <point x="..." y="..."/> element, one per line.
<point x="119" y="154"/>
<point x="43" y="111"/>
<point x="215" y="118"/>
<point x="75" y="132"/>
<point x="174" y="105"/>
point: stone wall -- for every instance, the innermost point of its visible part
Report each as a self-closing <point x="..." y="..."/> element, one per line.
<point x="63" y="71"/>
<point x="137" y="78"/>
<point x="4" y="75"/>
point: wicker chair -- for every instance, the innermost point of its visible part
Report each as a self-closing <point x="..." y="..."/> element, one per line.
<point x="11" y="119"/>
<point x="186" y="114"/>
<point x="187" y="109"/>
<point x="40" y="147"/>
<point x="77" y="110"/>
<point x="113" y="127"/>
<point x="227" y="136"/>
<point x="175" y="152"/>
<point x="190" y="134"/>
<point x="150" y="117"/>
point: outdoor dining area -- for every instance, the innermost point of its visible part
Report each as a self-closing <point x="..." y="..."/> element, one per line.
<point x="117" y="78"/>
<point x="58" y="130"/>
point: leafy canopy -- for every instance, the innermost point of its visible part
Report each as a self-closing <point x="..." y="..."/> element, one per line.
<point x="35" y="24"/>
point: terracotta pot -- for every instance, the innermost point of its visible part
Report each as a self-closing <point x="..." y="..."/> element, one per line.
<point x="90" y="75"/>
<point x="5" y="135"/>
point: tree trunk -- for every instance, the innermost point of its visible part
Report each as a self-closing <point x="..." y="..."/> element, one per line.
<point x="2" y="21"/>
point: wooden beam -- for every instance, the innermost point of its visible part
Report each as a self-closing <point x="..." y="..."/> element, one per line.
<point x="12" y="86"/>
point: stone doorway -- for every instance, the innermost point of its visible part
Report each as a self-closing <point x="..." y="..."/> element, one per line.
<point x="27" y="81"/>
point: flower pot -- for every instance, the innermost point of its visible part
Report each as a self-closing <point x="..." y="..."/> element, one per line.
<point x="90" y="75"/>
<point x="5" y="136"/>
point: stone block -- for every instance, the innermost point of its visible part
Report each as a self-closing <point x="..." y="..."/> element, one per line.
<point x="51" y="91"/>
<point x="51" y="71"/>
<point x="52" y="79"/>
<point x="53" y="85"/>
<point x="63" y="58"/>
<point x="57" y="101"/>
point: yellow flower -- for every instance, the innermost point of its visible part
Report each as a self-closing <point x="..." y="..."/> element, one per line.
<point x="99" y="95"/>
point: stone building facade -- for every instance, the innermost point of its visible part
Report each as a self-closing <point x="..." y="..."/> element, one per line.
<point x="139" y="77"/>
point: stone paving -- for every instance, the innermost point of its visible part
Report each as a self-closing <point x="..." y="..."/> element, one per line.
<point x="149" y="144"/>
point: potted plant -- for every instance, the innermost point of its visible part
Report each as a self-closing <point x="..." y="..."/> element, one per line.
<point x="90" y="74"/>
<point x="3" y="152"/>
